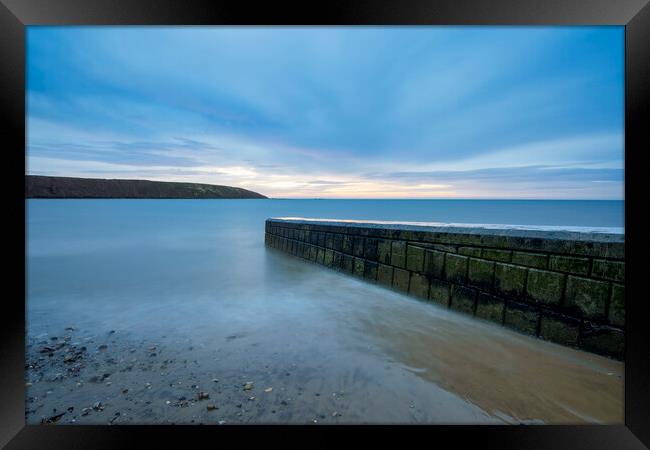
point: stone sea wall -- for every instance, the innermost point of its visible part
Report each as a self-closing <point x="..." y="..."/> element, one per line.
<point x="567" y="287"/>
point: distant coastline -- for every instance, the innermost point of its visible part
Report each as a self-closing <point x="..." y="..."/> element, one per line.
<point x="37" y="186"/>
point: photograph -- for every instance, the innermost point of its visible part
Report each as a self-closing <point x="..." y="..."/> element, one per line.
<point x="325" y="225"/>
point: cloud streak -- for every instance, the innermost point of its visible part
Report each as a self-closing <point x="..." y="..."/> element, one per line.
<point x="396" y="112"/>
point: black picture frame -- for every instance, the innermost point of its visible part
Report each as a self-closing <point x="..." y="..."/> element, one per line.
<point x="15" y="15"/>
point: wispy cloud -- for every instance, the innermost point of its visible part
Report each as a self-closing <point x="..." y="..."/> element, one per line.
<point x="507" y="112"/>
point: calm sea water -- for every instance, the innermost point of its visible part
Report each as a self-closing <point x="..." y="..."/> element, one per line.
<point x="86" y="251"/>
<point x="197" y="270"/>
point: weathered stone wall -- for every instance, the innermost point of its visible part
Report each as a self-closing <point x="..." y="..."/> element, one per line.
<point x="566" y="287"/>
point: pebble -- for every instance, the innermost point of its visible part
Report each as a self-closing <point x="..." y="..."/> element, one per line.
<point x="211" y="407"/>
<point x="248" y="386"/>
<point x="268" y="389"/>
<point x="203" y="395"/>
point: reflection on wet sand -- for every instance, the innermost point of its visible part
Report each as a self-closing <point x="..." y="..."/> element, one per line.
<point x="506" y="374"/>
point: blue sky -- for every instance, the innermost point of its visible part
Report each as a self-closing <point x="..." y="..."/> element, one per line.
<point x="332" y="112"/>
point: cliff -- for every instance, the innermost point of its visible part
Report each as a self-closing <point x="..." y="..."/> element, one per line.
<point x="67" y="187"/>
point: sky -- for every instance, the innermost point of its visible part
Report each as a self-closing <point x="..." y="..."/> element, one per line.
<point x="334" y="112"/>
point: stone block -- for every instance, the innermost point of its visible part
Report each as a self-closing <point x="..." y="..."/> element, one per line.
<point x="329" y="257"/>
<point x="338" y="242"/>
<point x="384" y="251"/>
<point x="481" y="273"/>
<point x="545" y="287"/>
<point x="405" y="235"/>
<point x="385" y="275"/>
<point x="609" y="270"/>
<point x="588" y="296"/>
<point x="358" y="245"/>
<point x="434" y="263"/>
<point x="509" y="280"/>
<point x="321" y="239"/>
<point x="370" y="252"/>
<point x="337" y="261"/>
<point x="617" y="306"/>
<point x="414" y="258"/>
<point x="577" y="266"/>
<point x="440" y="292"/>
<point x="359" y="267"/>
<point x="313" y="251"/>
<point x="348" y="263"/>
<point x="455" y="268"/>
<point x="329" y="240"/>
<point x="398" y="254"/>
<point x="463" y="299"/>
<point x="521" y="317"/>
<point x="470" y="251"/>
<point x="370" y="271"/>
<point x="419" y="286"/>
<point x="496" y="255"/>
<point x="536" y="260"/>
<point x="490" y="307"/>
<point x="320" y="256"/>
<point x="401" y="279"/>
<point x="603" y="340"/>
<point x="445" y="248"/>
<point x="346" y="247"/>
<point x="559" y="329"/>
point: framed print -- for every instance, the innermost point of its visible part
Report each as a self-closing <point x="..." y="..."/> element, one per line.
<point x="348" y="217"/>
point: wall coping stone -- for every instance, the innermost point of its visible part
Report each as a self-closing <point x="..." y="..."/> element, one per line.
<point x="604" y="242"/>
<point x="599" y="234"/>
